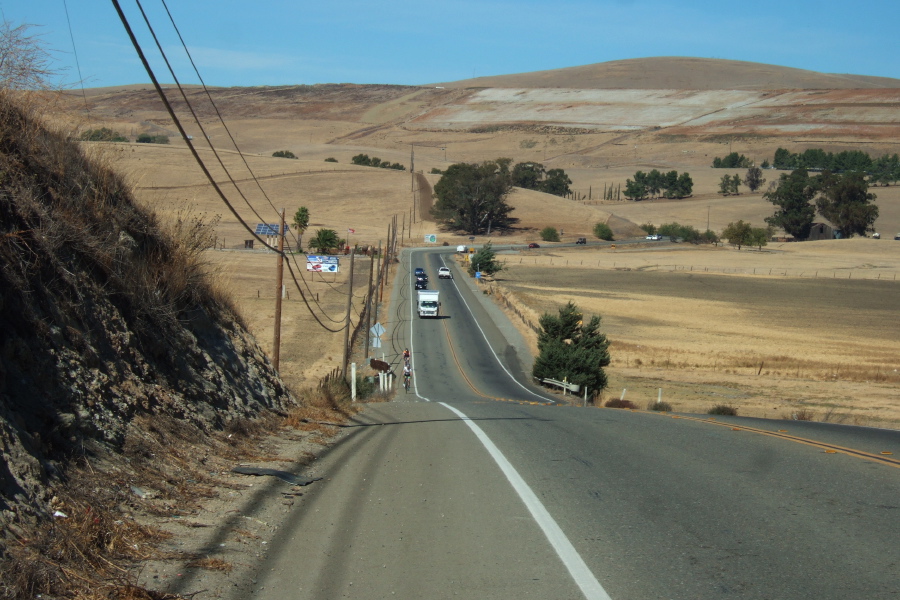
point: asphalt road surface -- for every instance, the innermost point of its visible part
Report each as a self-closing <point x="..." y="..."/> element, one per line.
<point x="476" y="485"/>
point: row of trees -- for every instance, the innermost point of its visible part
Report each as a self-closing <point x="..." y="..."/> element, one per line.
<point x="843" y="199"/>
<point x="364" y="160"/>
<point x="656" y="184"/>
<point x="732" y="161"/>
<point x="105" y="134"/>
<point x="730" y="184"/>
<point x="533" y="176"/>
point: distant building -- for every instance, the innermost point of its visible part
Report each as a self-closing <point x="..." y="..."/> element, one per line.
<point x="821" y="231"/>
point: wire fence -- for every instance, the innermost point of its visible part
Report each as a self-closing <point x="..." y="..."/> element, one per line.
<point x="764" y="271"/>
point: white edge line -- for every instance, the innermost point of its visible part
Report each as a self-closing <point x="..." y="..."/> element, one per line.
<point x="491" y="348"/>
<point x="413" y="302"/>
<point x="567" y="553"/>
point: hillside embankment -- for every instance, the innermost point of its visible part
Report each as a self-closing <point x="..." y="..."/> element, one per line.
<point x="125" y="376"/>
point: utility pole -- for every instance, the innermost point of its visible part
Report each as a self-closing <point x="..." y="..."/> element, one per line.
<point x="346" y="359"/>
<point x="369" y="302"/>
<point x="276" y="345"/>
<point x="377" y="284"/>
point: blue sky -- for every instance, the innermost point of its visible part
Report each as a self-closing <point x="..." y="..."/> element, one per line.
<point x="275" y="42"/>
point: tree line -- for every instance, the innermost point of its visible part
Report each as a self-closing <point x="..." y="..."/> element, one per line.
<point x="655" y="185"/>
<point x="364" y="160"/>
<point x="472" y="197"/>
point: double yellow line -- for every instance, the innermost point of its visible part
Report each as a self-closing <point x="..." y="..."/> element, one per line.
<point x="883" y="458"/>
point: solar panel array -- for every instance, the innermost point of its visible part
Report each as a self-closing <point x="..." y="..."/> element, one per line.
<point x="270" y="229"/>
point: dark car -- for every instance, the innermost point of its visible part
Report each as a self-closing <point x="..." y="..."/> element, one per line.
<point x="418" y="271"/>
<point x="581" y="241"/>
<point x="533" y="245"/>
<point x="421" y="284"/>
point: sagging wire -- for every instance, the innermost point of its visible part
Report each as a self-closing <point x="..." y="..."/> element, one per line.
<point x="196" y="156"/>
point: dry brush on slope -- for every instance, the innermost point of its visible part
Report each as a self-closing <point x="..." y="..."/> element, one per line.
<point x="111" y="333"/>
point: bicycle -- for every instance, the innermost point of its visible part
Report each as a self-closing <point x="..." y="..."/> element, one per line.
<point x="406" y="382"/>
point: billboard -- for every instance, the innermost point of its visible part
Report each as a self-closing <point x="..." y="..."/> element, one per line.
<point x="322" y="264"/>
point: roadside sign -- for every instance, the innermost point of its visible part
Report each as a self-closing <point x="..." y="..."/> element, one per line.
<point x="377" y="329"/>
<point x="376" y="342"/>
<point x="430" y="238"/>
<point x="322" y="264"/>
<point x="379" y="365"/>
<point x="477" y="274"/>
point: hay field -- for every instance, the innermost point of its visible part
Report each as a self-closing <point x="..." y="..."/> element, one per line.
<point x="698" y="323"/>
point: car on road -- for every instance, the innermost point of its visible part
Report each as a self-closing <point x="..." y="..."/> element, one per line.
<point x="421" y="284"/>
<point x="653" y="237"/>
<point x="533" y="245"/>
<point x="581" y="241"/>
<point x="444" y="273"/>
<point x="418" y="271"/>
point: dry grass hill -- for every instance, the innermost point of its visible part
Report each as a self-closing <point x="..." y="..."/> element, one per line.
<point x="107" y="320"/>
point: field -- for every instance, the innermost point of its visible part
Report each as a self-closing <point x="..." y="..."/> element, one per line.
<point x="795" y="327"/>
<point x="700" y="325"/>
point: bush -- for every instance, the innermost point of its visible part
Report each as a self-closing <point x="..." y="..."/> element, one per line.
<point x="104" y="134"/>
<point x="436" y="171"/>
<point x="723" y="409"/>
<point x="603" y="231"/>
<point x="330" y="159"/>
<point x="549" y="234"/>
<point x="283" y="154"/>
<point x="146" y="138"/>
<point x="660" y="407"/>
<point x="617" y="403"/>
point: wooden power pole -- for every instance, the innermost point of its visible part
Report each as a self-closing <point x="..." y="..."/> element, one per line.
<point x="276" y="345"/>
<point x="346" y="360"/>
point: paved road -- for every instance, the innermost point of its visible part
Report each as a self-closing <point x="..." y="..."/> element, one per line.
<point x="477" y="486"/>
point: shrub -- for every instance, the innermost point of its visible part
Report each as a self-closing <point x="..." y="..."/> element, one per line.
<point x="617" y="403"/>
<point x="660" y="407"/>
<point x="283" y="154"/>
<point x="330" y="159"/>
<point x="549" y="234"/>
<point x="603" y="231"/>
<point x="104" y="134"/>
<point x="723" y="409"/>
<point x="146" y="138"/>
<point x="436" y="171"/>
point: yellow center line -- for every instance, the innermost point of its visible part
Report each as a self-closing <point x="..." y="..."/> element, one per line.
<point x="829" y="448"/>
<point x="463" y="372"/>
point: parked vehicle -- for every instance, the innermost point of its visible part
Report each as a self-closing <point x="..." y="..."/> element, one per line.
<point x="461" y="249"/>
<point x="444" y="273"/>
<point x="534" y="245"/>
<point x="581" y="241"/>
<point x="428" y="303"/>
<point x="654" y="237"/>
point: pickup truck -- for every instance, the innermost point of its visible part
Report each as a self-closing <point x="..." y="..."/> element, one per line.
<point x="444" y="273"/>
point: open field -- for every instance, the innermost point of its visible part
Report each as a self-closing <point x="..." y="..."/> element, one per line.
<point x="771" y="345"/>
<point x="706" y="336"/>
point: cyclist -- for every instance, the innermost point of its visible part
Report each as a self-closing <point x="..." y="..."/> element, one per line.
<point x="406" y="356"/>
<point x="407" y="372"/>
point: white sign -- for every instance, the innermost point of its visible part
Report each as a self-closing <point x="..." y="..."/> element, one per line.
<point x="430" y="238"/>
<point x="377" y="329"/>
<point x="322" y="264"/>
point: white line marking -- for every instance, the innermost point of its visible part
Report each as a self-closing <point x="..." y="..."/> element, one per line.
<point x="484" y="335"/>
<point x="578" y="569"/>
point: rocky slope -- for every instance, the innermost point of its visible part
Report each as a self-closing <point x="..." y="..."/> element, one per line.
<point x="105" y="320"/>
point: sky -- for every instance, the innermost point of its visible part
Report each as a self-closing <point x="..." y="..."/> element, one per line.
<point x="416" y="42"/>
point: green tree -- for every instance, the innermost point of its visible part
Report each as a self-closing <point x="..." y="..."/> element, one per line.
<point x="528" y="175"/>
<point x="485" y="261"/>
<point x="326" y="241"/>
<point x="283" y="154"/>
<point x="754" y="178"/>
<point x="301" y="223"/>
<point x="472" y="197"/>
<point x="793" y="197"/>
<point x="649" y="228"/>
<point x="331" y="159"/>
<point x="725" y="185"/>
<point x="146" y="138"/>
<point x="556" y="183"/>
<point x="735" y="184"/>
<point x="738" y="234"/>
<point x="636" y="189"/>
<point x="846" y="203"/>
<point x="685" y="186"/>
<point x="603" y="232"/>
<point x="362" y="160"/>
<point x="676" y="231"/>
<point x="549" y="234"/>
<point x="572" y="350"/>
<point x="759" y="236"/>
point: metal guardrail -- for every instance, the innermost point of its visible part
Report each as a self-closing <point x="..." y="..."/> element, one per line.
<point x="572" y="387"/>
